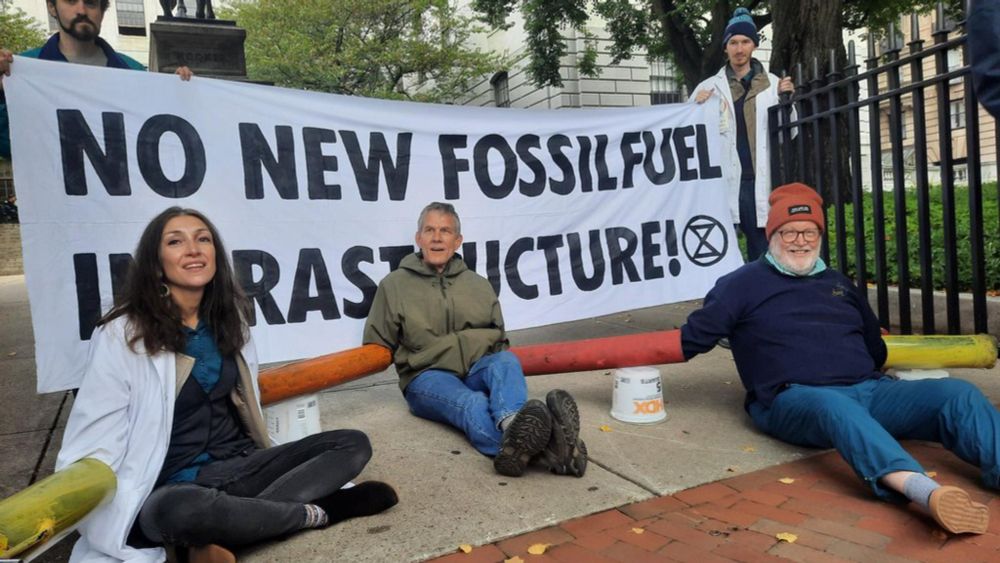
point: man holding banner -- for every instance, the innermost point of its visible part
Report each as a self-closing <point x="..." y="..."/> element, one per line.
<point x="746" y="92"/>
<point x="443" y="324"/>
<point x="809" y="350"/>
<point x="78" y="41"/>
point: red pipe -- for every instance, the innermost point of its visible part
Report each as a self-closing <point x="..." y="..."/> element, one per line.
<point x="645" y="349"/>
<point x="316" y="374"/>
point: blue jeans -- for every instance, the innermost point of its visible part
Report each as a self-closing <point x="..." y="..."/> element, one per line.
<point x="755" y="235"/>
<point x="493" y="390"/>
<point x="864" y="420"/>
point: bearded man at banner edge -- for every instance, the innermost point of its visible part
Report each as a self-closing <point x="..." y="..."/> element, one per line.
<point x="809" y="351"/>
<point x="77" y="41"/>
<point x="443" y="324"/>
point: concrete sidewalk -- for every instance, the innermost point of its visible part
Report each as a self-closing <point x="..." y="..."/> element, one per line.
<point x="449" y="493"/>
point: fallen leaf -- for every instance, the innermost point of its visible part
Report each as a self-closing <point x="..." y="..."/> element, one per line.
<point x="466" y="548"/>
<point x="604" y="428"/>
<point x="932" y="474"/>
<point x="514" y="559"/>
<point x="538" y="548"/>
<point x="637" y="530"/>
<point x="749" y="449"/>
<point x="786" y="537"/>
<point x="786" y="480"/>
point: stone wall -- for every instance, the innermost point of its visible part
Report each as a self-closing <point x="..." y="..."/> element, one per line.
<point x="10" y="249"/>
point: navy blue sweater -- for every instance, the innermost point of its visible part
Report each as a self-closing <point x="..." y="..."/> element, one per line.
<point x="814" y="330"/>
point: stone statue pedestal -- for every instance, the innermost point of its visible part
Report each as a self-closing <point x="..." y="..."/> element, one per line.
<point x="212" y="48"/>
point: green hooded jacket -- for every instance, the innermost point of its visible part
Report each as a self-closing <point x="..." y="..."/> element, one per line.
<point x="443" y="321"/>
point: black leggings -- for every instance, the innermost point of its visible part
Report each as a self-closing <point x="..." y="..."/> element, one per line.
<point x="254" y="497"/>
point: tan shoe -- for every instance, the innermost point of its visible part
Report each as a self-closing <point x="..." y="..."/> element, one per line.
<point x="210" y="553"/>
<point x="956" y="512"/>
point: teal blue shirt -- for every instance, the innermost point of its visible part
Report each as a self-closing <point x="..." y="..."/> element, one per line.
<point x="817" y="268"/>
<point x="206" y="371"/>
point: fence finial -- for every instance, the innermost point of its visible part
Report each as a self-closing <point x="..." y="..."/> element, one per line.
<point x="940" y="21"/>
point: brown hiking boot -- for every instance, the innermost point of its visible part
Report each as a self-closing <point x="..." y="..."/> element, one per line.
<point x="527" y="434"/>
<point x="955" y="511"/>
<point x="565" y="453"/>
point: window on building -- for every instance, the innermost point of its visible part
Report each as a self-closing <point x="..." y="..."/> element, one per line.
<point x="501" y="90"/>
<point x="887" y="118"/>
<point x="664" y="87"/>
<point x="955" y="63"/>
<point x="961" y="173"/>
<point x="131" y="17"/>
<point x="957" y="112"/>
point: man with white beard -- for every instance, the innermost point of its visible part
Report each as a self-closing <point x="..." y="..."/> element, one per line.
<point x="809" y="351"/>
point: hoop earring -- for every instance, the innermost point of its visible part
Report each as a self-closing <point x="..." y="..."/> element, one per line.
<point x="164" y="290"/>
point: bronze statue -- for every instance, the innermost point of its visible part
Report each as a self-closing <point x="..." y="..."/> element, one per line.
<point x="202" y="11"/>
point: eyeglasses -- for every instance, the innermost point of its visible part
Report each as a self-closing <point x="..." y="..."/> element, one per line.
<point x="809" y="235"/>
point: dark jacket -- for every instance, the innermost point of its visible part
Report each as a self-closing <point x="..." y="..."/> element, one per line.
<point x="810" y="330"/>
<point x="50" y="52"/>
<point x="983" y="36"/>
<point x="443" y="321"/>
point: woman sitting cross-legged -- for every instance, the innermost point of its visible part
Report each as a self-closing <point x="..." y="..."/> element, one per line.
<point x="169" y="401"/>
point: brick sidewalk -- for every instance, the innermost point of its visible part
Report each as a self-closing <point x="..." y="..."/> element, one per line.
<point x="834" y="517"/>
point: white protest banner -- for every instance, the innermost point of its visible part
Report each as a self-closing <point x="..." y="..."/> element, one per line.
<point x="569" y="213"/>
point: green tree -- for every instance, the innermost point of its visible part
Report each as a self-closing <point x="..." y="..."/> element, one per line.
<point x="403" y="49"/>
<point x="18" y="31"/>
<point x="687" y="32"/>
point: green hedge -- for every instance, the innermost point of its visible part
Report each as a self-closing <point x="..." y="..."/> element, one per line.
<point x="991" y="234"/>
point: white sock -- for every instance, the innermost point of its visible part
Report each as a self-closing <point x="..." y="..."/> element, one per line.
<point x="505" y="421"/>
<point x="315" y="517"/>
<point x="918" y="488"/>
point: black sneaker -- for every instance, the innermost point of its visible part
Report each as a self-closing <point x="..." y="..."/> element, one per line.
<point x="527" y="434"/>
<point x="565" y="453"/>
<point x="363" y="499"/>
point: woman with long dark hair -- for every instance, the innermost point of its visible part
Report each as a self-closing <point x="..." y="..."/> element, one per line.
<point x="170" y="402"/>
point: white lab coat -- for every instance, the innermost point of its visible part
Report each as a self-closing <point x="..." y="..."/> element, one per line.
<point x="122" y="416"/>
<point x="719" y="85"/>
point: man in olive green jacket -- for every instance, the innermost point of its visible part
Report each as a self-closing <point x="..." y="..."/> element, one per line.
<point x="443" y="324"/>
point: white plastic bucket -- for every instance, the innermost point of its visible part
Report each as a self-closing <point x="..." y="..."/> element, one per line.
<point x="637" y="396"/>
<point x="293" y="419"/>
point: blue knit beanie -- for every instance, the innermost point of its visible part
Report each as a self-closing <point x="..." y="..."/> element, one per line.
<point x="741" y="24"/>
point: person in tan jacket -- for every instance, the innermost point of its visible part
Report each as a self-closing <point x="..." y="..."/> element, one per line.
<point x="444" y="326"/>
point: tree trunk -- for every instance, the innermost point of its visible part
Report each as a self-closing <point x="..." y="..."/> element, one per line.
<point x="804" y="31"/>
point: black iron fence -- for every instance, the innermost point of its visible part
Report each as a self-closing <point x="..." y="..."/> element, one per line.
<point x="872" y="181"/>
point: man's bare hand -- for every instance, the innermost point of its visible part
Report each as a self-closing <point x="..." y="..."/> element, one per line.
<point x="786" y="85"/>
<point x="6" y="59"/>
<point x="702" y="96"/>
<point x="184" y="72"/>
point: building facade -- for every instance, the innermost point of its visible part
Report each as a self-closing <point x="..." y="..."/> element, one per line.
<point x="952" y="96"/>
<point x="631" y="83"/>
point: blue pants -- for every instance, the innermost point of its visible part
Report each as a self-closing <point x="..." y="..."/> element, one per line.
<point x="754" y="234"/>
<point x="493" y="389"/>
<point x="863" y="422"/>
